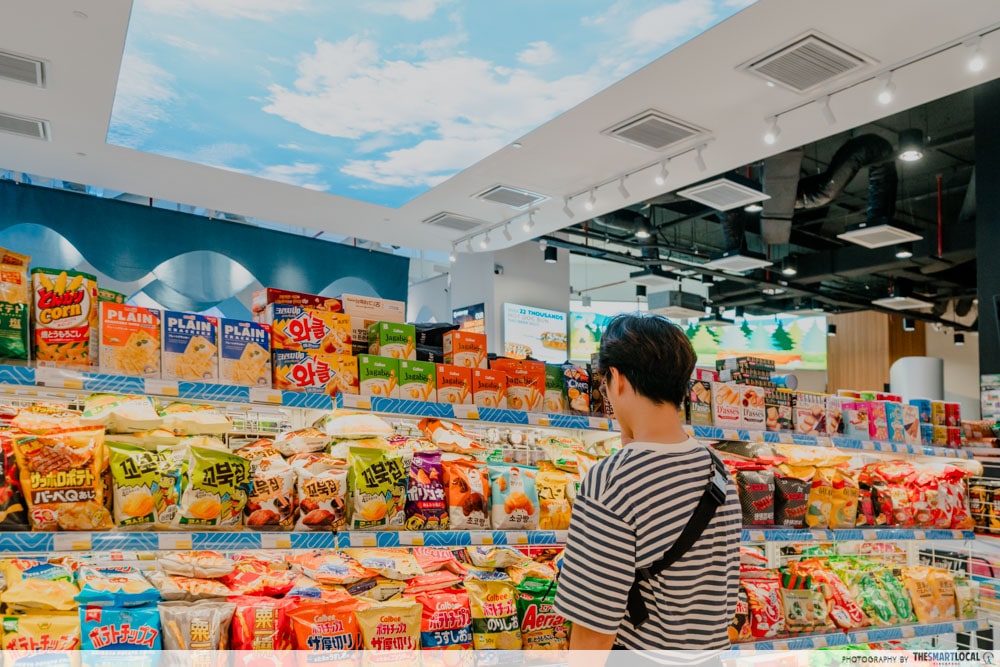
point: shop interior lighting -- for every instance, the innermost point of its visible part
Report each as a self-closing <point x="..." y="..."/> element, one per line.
<point x="529" y="223"/>
<point x="543" y="244"/>
<point x="640" y="291"/>
<point x="909" y="324"/>
<point x="789" y="267"/>
<point x="484" y="243"/>
<point x="911" y="145"/>
<point x="904" y="251"/>
<point x="468" y="245"/>
<point x="699" y="159"/>
<point x="831" y="330"/>
<point x="826" y="111"/>
<point x="591" y="200"/>
<point x="566" y="208"/>
<point x="622" y="190"/>
<point x="976" y="61"/>
<point x="959" y="339"/>
<point x="772" y="291"/>
<point x="753" y="208"/>
<point x="551" y="254"/>
<point x="642" y="228"/>
<point x="661" y="177"/>
<point x="506" y="233"/>
<point x="452" y="257"/>
<point x="773" y="132"/>
<point x="885" y="94"/>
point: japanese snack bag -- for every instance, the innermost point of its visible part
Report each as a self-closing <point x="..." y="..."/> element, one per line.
<point x="447" y="619"/>
<point x="467" y="487"/>
<point x="325" y="625"/>
<point x="514" y="497"/>
<point x="110" y="628"/>
<point x="216" y="490"/>
<point x="261" y="624"/>
<point x="542" y="629"/>
<point x="554" y="494"/>
<point x="425" y="502"/>
<point x="494" y="615"/>
<point x="391" y="626"/>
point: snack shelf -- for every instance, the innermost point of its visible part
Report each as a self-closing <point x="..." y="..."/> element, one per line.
<point x="27" y="542"/>
<point x="870" y="635"/>
<point x="762" y="536"/>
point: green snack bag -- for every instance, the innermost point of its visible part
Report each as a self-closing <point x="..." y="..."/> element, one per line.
<point x="897" y="593"/>
<point x="377" y="482"/>
<point x="14" y="330"/>
<point x="966" y="601"/>
<point x="216" y="489"/>
<point x="542" y="629"/>
<point x="875" y="600"/>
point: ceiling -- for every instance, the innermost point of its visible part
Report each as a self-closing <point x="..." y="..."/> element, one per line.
<point x="698" y="82"/>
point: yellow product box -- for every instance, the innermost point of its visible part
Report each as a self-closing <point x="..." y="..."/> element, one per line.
<point x="130" y="340"/>
<point x="378" y="376"/>
<point x="462" y="348"/>
<point x="190" y="345"/>
<point x="417" y="381"/>
<point x="308" y="329"/>
<point x="244" y="353"/>
<point x="66" y="319"/>
<point x="295" y="370"/>
<point x="392" y="339"/>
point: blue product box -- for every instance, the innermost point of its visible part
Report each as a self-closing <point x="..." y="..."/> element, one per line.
<point x="924" y="406"/>
<point x="190" y="347"/>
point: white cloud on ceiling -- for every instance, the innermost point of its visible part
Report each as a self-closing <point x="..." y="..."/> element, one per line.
<point x="188" y="45"/>
<point x="144" y="91"/>
<point x="537" y="54"/>
<point x="672" y="21"/>
<point x="739" y="4"/>
<point x="411" y="10"/>
<point x="255" y="10"/>
<point x="302" y="174"/>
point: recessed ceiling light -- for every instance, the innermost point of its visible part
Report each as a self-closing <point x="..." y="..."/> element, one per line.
<point x="753" y="208"/>
<point x="904" y="251"/>
<point x="772" y="291"/>
<point x="517" y="144"/>
<point x="642" y="228"/>
<point x="977" y="62"/>
<point x="790" y="267"/>
<point x="661" y="177"/>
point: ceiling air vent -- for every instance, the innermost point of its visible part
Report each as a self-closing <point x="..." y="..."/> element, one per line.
<point x="877" y="236"/>
<point x="807" y="63"/>
<point x="513" y="197"/>
<point x="902" y="303"/>
<point x="652" y="278"/>
<point x="26" y="127"/>
<point x="737" y="261"/>
<point x="724" y="193"/>
<point x="458" y="223"/>
<point x="21" y="69"/>
<point x="654" y="130"/>
<point x="676" y="305"/>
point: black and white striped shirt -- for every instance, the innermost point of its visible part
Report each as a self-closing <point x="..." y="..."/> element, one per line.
<point x="631" y="508"/>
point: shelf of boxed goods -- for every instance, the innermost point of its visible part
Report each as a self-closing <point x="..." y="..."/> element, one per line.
<point x="866" y="636"/>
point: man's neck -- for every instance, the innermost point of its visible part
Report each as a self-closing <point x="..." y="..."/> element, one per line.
<point x="657" y="424"/>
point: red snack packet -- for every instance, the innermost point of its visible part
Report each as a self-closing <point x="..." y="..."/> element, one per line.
<point x="446" y="622"/>
<point x="261" y="624"/>
<point x="431" y="560"/>
<point x="325" y="625"/>
<point x="763" y="598"/>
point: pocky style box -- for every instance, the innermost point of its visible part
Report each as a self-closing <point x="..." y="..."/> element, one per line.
<point x="700" y="403"/>
<point x="190" y="347"/>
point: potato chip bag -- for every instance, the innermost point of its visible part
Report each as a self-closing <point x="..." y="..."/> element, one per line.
<point x="431" y="559"/>
<point x="792" y="486"/>
<point x="379" y="589"/>
<point x="542" y="629"/>
<point x="330" y="567"/>
<point x="554" y="492"/>
<point x="40" y="593"/>
<point x="114" y="586"/>
<point x="495" y="624"/>
<point x="446" y="621"/>
<point x="739" y="627"/>
<point x="195" y="419"/>
<point x="323" y="625"/>
<point x="271" y="501"/>
<point x="13" y="508"/>
<point x="41" y="418"/>
<point x="425" y="504"/>
<point x="199" y="564"/>
<point x="61" y="478"/>
<point x="391" y="626"/>
<point x="966" y="598"/>
<point x="261" y="582"/>
<point x="51" y="631"/>
<point x="467" y="488"/>
<point x="354" y="426"/>
<point x="144" y="489"/>
<point x="845" y="613"/>
<point x="820" y="505"/>
<point x="321" y="491"/>
<point x="110" y="629"/>
<point x="197" y="626"/>
<point x="894" y="588"/>
<point x="261" y="624"/>
<point x="174" y="587"/>
<point x="844" y="499"/>
<point x="433" y="581"/>
<point x="514" y="500"/>
<point x="303" y="441"/>
<point x="804" y="609"/>
<point x="764" y="602"/>
<point x="377" y="481"/>
<point x="531" y="570"/>
<point x="494" y="557"/>
<point x="391" y="563"/>
<point x="216" y="490"/>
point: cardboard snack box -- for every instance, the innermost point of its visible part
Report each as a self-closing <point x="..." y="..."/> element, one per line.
<point x="525" y="383"/>
<point x="878" y="421"/>
<point x="190" y="347"/>
<point x="65" y="317"/>
<point x="374" y="308"/>
<point x="726" y="405"/>
<point x="856" y="417"/>
<point x="489" y="388"/>
<point x="308" y="329"/>
<point x="752" y="404"/>
<point x="264" y="297"/>
<point x="779" y="406"/>
<point x="810" y="413"/>
<point x="392" y="339"/>
<point x="378" y="376"/>
<point x="911" y="424"/>
<point x="835" y="414"/>
<point x="312" y="372"/>
<point x="894" y="421"/>
<point x="700" y="403"/>
<point x="130" y="340"/>
<point x="417" y="381"/>
<point x="454" y="384"/>
<point x="244" y="353"/>
<point x="462" y="348"/>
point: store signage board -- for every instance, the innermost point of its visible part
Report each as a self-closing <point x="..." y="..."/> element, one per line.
<point x="989" y="393"/>
<point x="585" y="332"/>
<point x="534" y="332"/>
<point x="470" y="318"/>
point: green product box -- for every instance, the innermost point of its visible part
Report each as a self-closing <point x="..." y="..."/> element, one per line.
<point x="417" y="381"/>
<point x="555" y="390"/>
<point x="391" y="339"/>
<point x="378" y="377"/>
<point x="15" y="342"/>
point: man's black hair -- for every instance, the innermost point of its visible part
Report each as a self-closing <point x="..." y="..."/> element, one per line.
<point x="652" y="353"/>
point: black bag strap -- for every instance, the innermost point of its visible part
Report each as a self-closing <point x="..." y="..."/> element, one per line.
<point x="713" y="497"/>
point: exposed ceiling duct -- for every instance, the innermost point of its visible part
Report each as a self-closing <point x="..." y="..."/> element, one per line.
<point x="781" y="181"/>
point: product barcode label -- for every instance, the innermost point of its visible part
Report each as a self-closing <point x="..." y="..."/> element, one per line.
<point x="407" y="539"/>
<point x="480" y="537"/>
<point x="162" y="387"/>
<point x="362" y="540"/>
<point x="264" y="395"/>
<point x="517" y="537"/>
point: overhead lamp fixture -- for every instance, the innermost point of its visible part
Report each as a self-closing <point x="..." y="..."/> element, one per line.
<point x="506" y="232"/>
<point x="642" y="227"/>
<point x="622" y="190"/>
<point x="468" y="245"/>
<point x="651" y="252"/>
<point x="529" y="224"/>
<point x="452" y="257"/>
<point x="585" y="301"/>
<point x="904" y="251"/>
<point x="772" y="291"/>
<point x="959" y="339"/>
<point x="911" y="145"/>
<point x="551" y="254"/>
<point x="909" y="324"/>
<point x="753" y="208"/>
<point x="567" y="211"/>
<point x="699" y="159"/>
<point x="831" y="330"/>
<point x="885" y="94"/>
<point x="591" y="200"/>
<point x="542" y="244"/>
<point x="661" y="177"/>
<point x="977" y="62"/>
<point x="484" y="243"/>
<point x="789" y="267"/>
<point x="773" y="132"/>
<point x="640" y="291"/>
<point x="824" y="108"/>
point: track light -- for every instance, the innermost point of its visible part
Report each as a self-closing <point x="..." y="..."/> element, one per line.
<point x="551" y="254"/>
<point x="542" y="244"/>
<point x="959" y="339"/>
<point x="640" y="291"/>
<point x="831" y="330"/>
<point x="452" y="257"/>
<point x="789" y="267"/>
<point x="661" y="178"/>
<point x="977" y="62"/>
<point x="585" y="301"/>
<point x="911" y="145"/>
<point x="484" y="243"/>
<point x="506" y="232"/>
<point x="885" y="94"/>
<point x="753" y="208"/>
<point x="824" y="108"/>
<point x="773" y="131"/>
<point x="904" y="251"/>
<point x="909" y="324"/>
<point x="699" y="159"/>
<point x="622" y="190"/>
<point x="468" y="245"/>
<point x="642" y="228"/>
<point x="529" y="224"/>
<point x="591" y="200"/>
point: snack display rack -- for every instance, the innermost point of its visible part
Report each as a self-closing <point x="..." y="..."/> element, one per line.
<point x="266" y="412"/>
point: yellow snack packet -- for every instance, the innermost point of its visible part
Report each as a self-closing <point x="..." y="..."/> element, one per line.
<point x="494" y="615"/>
<point x="51" y="631"/>
<point x="391" y="626"/>
<point x="554" y="492"/>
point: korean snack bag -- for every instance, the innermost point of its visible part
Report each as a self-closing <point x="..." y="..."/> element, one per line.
<point x="322" y="491"/>
<point x="13" y="508"/>
<point x="764" y="602"/>
<point x="447" y="619"/>
<point x="467" y="486"/>
<point x="425" y="503"/>
<point x="197" y="626"/>
<point x="111" y="629"/>
<point x="495" y="624"/>
<point x="377" y="479"/>
<point x="514" y="497"/>
<point x="145" y="488"/>
<point x="216" y="490"/>
<point x="391" y="626"/>
<point x="542" y="629"/>
<point x="554" y="488"/>
<point x="271" y="500"/>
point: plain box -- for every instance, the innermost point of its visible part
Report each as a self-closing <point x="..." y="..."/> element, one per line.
<point x="392" y="339"/>
<point x="463" y="348"/>
<point x="244" y="353"/>
<point x="489" y="388"/>
<point x="130" y="340"/>
<point x="417" y="381"/>
<point x="190" y="347"/>
<point x="378" y="377"/>
<point x="454" y="384"/>
<point x="308" y="329"/>
<point x="752" y="411"/>
<point x="726" y="408"/>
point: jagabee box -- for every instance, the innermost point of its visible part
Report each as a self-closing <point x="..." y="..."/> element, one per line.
<point x="894" y="421"/>
<point x="810" y="413"/>
<point x="779" y="406"/>
<point x="752" y="407"/>
<point x="65" y="317"/>
<point x="392" y="339"/>
<point x="726" y="409"/>
<point x="462" y="348"/>
<point x="454" y="384"/>
<point x="489" y="388"/>
<point x="378" y="376"/>
<point x="525" y="383"/>
<point x="244" y="353"/>
<point x="110" y="295"/>
<point x="295" y="370"/>
<point x="130" y="340"/>
<point x="261" y="299"/>
<point x="555" y="397"/>
<point x="417" y="381"/>
<point x="308" y="329"/>
<point x="700" y="403"/>
<point x="576" y="387"/>
<point x="190" y="347"/>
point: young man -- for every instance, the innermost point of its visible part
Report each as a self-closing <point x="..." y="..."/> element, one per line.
<point x="634" y="505"/>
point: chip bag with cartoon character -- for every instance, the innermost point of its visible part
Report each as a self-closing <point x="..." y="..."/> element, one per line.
<point x="114" y="586"/>
<point x="216" y="490"/>
<point x="144" y="487"/>
<point x="271" y="501"/>
<point x="554" y="491"/>
<point x="377" y="480"/>
<point x="514" y="497"/>
<point x="467" y="487"/>
<point x="425" y="503"/>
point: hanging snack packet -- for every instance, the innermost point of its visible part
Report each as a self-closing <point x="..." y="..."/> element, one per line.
<point x="792" y="485"/>
<point x="467" y="487"/>
<point x="756" y="491"/>
<point x="893" y="585"/>
<point x="261" y="624"/>
<point x="764" y="602"/>
<point x="425" y="505"/>
<point x="820" y="499"/>
<point x="377" y="481"/>
<point x="494" y="615"/>
<point x="13" y="508"/>
<point x="198" y="626"/>
<point x="321" y="491"/>
<point x="61" y="478"/>
<point x="514" y="500"/>
<point x="114" y="586"/>
<point x="323" y="625"/>
<point x="554" y="495"/>
<point x="216" y="490"/>
<point x="446" y="621"/>
<point x="271" y="498"/>
<point x="112" y="629"/>
<point x="391" y="626"/>
<point x="844" y="500"/>
<point x="330" y="567"/>
<point x="390" y="563"/>
<point x="542" y="629"/>
<point x="35" y="632"/>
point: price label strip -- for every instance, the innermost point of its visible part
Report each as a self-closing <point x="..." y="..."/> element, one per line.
<point x="174" y="542"/>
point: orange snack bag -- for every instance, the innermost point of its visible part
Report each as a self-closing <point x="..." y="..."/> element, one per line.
<point x="325" y="625"/>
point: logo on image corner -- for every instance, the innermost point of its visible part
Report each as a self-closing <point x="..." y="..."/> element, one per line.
<point x="988" y="658"/>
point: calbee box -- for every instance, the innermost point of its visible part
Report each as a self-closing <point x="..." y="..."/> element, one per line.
<point x="454" y="384"/>
<point x="489" y="388"/>
<point x="463" y="348"/>
<point x="378" y="376"/>
<point x="190" y="347"/>
<point x="392" y="339"/>
<point x="244" y="353"/>
<point x="130" y="340"/>
<point x="417" y="381"/>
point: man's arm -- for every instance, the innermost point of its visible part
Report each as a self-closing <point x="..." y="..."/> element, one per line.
<point x="585" y="639"/>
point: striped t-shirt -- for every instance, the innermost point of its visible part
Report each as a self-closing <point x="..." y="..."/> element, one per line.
<point x="631" y="508"/>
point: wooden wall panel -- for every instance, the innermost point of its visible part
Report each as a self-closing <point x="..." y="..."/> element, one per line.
<point x="858" y="356"/>
<point x="906" y="343"/>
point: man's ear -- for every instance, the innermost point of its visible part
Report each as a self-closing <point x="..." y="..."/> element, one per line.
<point x="619" y="380"/>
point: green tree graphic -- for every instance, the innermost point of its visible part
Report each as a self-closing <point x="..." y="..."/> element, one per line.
<point x="782" y="341"/>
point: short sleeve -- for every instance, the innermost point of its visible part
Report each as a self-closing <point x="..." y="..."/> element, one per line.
<point x="598" y="567"/>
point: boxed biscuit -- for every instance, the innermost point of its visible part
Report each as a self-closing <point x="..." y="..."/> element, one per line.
<point x="313" y="372"/>
<point x="555" y="396"/>
<point x="779" y="407"/>
<point x="378" y="377"/>
<point x="392" y="339"/>
<point x="454" y="384"/>
<point x="911" y="424"/>
<point x="576" y="387"/>
<point x="855" y="416"/>
<point x="835" y="414"/>
<point x="894" y="421"/>
<point x="810" y="413"/>
<point x="110" y="296"/>
<point x="308" y="329"/>
<point x="190" y="347"/>
<point x="417" y="381"/>
<point x="130" y="340"/>
<point x="462" y="348"/>
<point x="700" y="403"/>
<point x="489" y="388"/>
<point x="940" y="436"/>
<point x="244" y="353"/>
<point x="525" y="383"/>
<point x="878" y="421"/>
<point x="599" y="403"/>
<point x="939" y="413"/>
<point x="752" y="413"/>
<point x="726" y="409"/>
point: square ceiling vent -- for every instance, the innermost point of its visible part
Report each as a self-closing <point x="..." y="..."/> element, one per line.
<point x="808" y="62"/>
<point x="738" y="261"/>
<point x="676" y="305"/>
<point x="22" y="69"/>
<point x="724" y="193"/>
<point x="513" y="197"/>
<point x="26" y="127"/>
<point x="453" y="221"/>
<point x="652" y="278"/>
<point x="902" y="303"/>
<point x="878" y="236"/>
<point x="655" y="130"/>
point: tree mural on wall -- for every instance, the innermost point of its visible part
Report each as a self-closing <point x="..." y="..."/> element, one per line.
<point x="782" y="341"/>
<point x="732" y="340"/>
